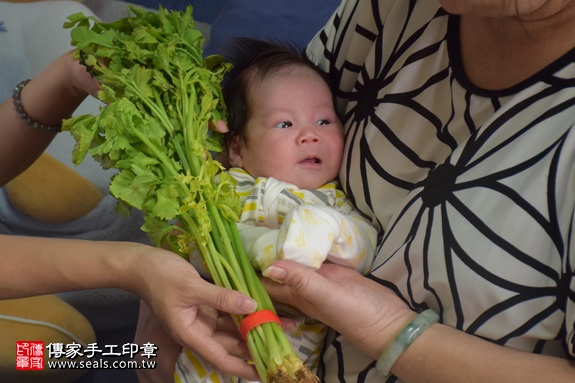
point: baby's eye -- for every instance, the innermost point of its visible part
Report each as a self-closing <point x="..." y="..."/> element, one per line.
<point x="283" y="124"/>
<point x="324" y="122"/>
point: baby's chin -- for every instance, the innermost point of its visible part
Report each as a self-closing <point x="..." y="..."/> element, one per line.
<point x="305" y="179"/>
<point x="310" y="184"/>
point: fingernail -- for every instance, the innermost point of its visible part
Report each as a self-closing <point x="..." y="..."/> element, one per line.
<point x="274" y="272"/>
<point x="248" y="305"/>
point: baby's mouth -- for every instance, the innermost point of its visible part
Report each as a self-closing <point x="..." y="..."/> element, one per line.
<point x="311" y="160"/>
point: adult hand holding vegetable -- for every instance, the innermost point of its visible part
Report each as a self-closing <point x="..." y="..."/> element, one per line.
<point x="184" y="308"/>
<point x="366" y="313"/>
<point x="166" y="282"/>
<point x="372" y="317"/>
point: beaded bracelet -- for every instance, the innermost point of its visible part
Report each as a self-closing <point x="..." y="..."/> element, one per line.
<point x="403" y="340"/>
<point x="17" y="100"/>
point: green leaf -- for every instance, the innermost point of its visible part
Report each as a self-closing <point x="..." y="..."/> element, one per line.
<point x="127" y="188"/>
<point x="143" y="35"/>
<point x="83" y="37"/>
<point x="159" y="232"/>
<point x="83" y="129"/>
<point x="167" y="204"/>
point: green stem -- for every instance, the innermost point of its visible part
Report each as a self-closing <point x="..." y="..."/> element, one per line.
<point x="181" y="152"/>
<point x="228" y="251"/>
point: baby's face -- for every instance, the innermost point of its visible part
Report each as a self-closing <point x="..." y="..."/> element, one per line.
<point x="293" y="132"/>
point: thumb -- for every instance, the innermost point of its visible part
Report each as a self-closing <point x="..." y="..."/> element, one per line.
<point x="289" y="273"/>
<point x="294" y="279"/>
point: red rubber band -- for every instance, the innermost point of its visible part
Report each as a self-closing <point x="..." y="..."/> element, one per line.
<point x="257" y="318"/>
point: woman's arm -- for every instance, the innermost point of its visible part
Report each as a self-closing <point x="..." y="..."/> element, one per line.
<point x="169" y="285"/>
<point x="444" y="354"/>
<point x="49" y="98"/>
<point x="31" y="265"/>
<point x="370" y="316"/>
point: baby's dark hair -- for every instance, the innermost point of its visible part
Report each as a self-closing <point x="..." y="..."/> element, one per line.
<point x="255" y="59"/>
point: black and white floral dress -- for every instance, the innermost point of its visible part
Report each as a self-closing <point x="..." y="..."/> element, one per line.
<point x="473" y="190"/>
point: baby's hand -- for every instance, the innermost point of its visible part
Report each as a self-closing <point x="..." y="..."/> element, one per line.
<point x="220" y="127"/>
<point x="309" y="234"/>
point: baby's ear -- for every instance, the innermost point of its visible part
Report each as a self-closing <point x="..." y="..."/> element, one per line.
<point x="234" y="148"/>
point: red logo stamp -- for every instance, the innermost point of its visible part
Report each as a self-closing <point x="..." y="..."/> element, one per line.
<point x="29" y="355"/>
